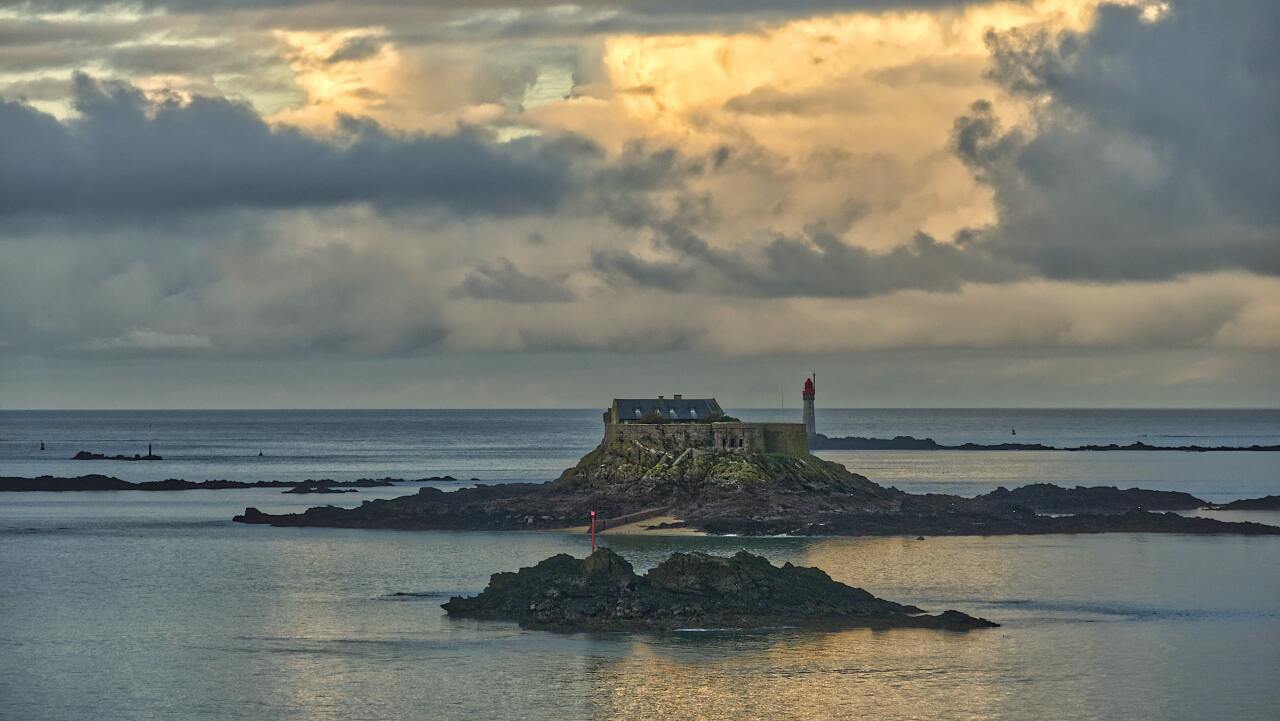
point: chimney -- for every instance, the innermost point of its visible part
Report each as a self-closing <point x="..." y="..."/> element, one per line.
<point x="677" y="396"/>
<point x="662" y="398"/>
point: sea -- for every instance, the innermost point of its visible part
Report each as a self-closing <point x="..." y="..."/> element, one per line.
<point x="153" y="605"/>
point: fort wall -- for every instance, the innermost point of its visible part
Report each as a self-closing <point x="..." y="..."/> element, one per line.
<point x="731" y="437"/>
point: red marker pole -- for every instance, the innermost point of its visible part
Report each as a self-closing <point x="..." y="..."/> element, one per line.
<point x="593" y="531"/>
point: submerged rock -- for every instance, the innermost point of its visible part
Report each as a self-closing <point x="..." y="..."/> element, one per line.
<point x="1265" y="503"/>
<point x="688" y="590"/>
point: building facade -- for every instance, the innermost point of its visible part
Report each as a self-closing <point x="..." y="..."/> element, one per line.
<point x="699" y="424"/>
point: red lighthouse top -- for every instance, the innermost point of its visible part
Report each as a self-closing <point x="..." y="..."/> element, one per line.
<point x="808" y="388"/>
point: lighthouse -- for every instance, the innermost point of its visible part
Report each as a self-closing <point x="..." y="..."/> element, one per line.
<point x="810" y="425"/>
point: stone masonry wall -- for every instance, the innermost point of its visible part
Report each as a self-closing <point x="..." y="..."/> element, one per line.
<point x="723" y="437"/>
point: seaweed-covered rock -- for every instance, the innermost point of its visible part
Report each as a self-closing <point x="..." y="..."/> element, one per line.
<point x="602" y="592"/>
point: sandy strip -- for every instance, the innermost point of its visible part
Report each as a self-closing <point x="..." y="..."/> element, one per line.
<point x="642" y="528"/>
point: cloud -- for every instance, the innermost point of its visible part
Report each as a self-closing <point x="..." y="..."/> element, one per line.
<point x="142" y="339"/>
<point x="815" y="265"/>
<point x="1137" y="162"/>
<point x="769" y="180"/>
<point x="502" y="280"/>
<point x="357" y="48"/>
<point x="124" y="153"/>
<point x="1152" y="151"/>
<point x="768" y="100"/>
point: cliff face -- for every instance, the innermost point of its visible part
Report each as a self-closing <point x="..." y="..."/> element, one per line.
<point x="602" y="592"/>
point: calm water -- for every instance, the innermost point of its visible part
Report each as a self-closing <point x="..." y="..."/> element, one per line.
<point x="155" y="606"/>
<point x="535" y="445"/>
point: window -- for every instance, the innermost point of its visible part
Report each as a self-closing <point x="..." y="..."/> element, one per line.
<point x="693" y="412"/>
<point x="637" y="413"/>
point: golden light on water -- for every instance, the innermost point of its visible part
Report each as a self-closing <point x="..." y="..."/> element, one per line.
<point x="800" y="675"/>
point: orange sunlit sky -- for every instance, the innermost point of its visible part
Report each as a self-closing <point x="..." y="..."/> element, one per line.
<point x="523" y="203"/>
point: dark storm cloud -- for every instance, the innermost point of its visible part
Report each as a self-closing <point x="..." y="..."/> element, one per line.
<point x="1155" y="149"/>
<point x="441" y="20"/>
<point x="502" y="280"/>
<point x="816" y="265"/>
<point x="124" y="154"/>
<point x="175" y="59"/>
<point x="640" y="7"/>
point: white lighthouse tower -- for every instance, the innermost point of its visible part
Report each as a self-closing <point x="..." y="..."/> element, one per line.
<point x="810" y="425"/>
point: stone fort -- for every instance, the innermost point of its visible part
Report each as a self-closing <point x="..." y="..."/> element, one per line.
<point x="700" y="424"/>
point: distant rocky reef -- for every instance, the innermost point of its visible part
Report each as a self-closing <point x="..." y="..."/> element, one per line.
<point x="911" y="443"/>
<point x="96" y="482"/>
<point x="89" y="456"/>
<point x="688" y="590"/>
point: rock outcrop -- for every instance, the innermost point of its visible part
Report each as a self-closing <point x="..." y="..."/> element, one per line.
<point x="1048" y="498"/>
<point x="1265" y="503"/>
<point x="689" y="590"/>
<point x="90" y="456"/>
<point x="618" y="481"/>
<point x="761" y="494"/>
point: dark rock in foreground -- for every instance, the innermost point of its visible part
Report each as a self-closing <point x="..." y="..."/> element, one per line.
<point x="97" y="482"/>
<point x="688" y="590"/>
<point x="1266" y="503"/>
<point x="89" y="456"/>
<point x="911" y="443"/>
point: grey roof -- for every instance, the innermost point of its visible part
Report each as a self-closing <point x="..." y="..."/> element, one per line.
<point x="684" y="409"/>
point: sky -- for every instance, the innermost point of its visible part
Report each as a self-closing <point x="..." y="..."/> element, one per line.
<point x="517" y="203"/>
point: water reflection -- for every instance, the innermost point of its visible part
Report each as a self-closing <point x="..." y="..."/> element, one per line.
<point x="802" y="675"/>
<point x="132" y="618"/>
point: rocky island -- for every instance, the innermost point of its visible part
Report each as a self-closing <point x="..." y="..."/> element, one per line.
<point x="688" y="590"/>
<point x="683" y="458"/>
